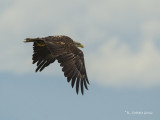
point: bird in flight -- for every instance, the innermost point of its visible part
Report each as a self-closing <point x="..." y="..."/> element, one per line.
<point x="63" y="49"/>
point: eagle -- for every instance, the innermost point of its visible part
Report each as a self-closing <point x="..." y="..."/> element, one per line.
<point x="47" y="50"/>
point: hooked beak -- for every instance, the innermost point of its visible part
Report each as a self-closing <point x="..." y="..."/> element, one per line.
<point x="77" y="44"/>
<point x="82" y="46"/>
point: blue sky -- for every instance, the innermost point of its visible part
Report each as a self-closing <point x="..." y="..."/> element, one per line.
<point x="122" y="56"/>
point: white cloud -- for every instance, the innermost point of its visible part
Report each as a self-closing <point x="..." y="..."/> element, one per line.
<point x="106" y="28"/>
<point x="151" y="30"/>
<point x="114" y="64"/>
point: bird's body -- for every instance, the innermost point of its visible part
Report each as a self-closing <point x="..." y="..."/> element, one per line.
<point x="66" y="52"/>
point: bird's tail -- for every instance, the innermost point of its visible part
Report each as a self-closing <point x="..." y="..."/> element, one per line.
<point x="38" y="41"/>
<point x="29" y="40"/>
<point x="33" y="39"/>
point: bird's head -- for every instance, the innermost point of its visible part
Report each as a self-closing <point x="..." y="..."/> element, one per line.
<point x="77" y="44"/>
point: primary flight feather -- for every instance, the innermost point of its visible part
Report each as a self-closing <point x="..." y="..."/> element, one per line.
<point x="63" y="49"/>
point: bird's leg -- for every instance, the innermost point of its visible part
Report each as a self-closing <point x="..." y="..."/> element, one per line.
<point x="40" y="43"/>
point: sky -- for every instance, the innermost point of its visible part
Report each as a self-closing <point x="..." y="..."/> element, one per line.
<point x="122" y="56"/>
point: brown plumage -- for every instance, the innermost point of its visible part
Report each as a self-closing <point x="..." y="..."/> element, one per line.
<point x="66" y="52"/>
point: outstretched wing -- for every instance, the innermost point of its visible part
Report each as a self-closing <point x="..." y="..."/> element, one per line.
<point x="71" y="60"/>
<point x="41" y="56"/>
<point x="74" y="69"/>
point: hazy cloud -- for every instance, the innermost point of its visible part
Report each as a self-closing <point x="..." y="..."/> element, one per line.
<point x="114" y="64"/>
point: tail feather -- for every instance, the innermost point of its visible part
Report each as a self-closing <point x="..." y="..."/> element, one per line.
<point x="29" y="40"/>
<point x="33" y="39"/>
<point x="38" y="41"/>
